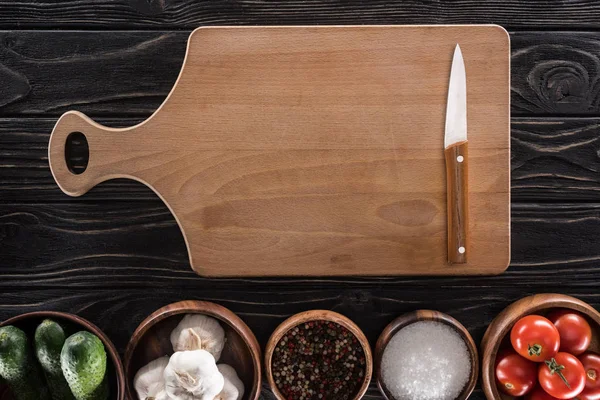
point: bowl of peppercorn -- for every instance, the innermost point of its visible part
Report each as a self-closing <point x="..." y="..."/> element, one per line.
<point x="316" y="355"/>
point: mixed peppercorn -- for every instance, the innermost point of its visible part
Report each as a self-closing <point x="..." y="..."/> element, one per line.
<point x="318" y="360"/>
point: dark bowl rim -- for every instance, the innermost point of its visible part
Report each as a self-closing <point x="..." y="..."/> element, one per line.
<point x="112" y="351"/>
<point x="188" y="307"/>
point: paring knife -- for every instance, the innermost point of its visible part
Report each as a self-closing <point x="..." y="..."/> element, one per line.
<point x="456" y="151"/>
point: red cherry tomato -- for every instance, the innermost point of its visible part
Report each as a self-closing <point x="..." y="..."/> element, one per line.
<point x="515" y="375"/>
<point x="535" y="338"/>
<point x="591" y="365"/>
<point x="562" y="376"/>
<point x="575" y="332"/>
<point x="589" y="394"/>
<point x="539" y="394"/>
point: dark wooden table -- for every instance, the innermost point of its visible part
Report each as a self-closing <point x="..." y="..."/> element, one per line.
<point x="116" y="254"/>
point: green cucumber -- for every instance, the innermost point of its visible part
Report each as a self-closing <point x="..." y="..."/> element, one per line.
<point x="18" y="367"/>
<point x="83" y="363"/>
<point x="49" y="340"/>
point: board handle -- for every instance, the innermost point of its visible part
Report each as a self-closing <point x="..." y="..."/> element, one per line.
<point x="70" y="182"/>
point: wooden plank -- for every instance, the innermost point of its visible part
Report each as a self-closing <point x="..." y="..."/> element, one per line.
<point x="125" y="244"/>
<point x="131" y="73"/>
<point x="555" y="73"/>
<point x="155" y="14"/>
<point x="552" y="159"/>
<point x="371" y="308"/>
<point x="555" y="159"/>
<point x="122" y="73"/>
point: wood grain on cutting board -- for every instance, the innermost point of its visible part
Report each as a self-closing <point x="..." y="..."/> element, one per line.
<point x="317" y="150"/>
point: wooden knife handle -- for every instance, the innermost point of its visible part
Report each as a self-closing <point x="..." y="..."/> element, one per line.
<point x="457" y="189"/>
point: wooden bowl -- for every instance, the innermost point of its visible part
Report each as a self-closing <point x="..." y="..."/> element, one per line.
<point x="426" y="315"/>
<point x="29" y="322"/>
<point x="151" y="340"/>
<point x="499" y="331"/>
<point x="318" y="315"/>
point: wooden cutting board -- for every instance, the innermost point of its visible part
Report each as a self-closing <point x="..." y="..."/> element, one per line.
<point x="317" y="150"/>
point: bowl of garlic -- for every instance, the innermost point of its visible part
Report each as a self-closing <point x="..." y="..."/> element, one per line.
<point x="193" y="350"/>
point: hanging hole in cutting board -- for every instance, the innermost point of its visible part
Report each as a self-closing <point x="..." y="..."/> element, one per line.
<point x="77" y="152"/>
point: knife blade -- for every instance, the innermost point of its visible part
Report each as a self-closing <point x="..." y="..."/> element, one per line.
<point x="456" y="154"/>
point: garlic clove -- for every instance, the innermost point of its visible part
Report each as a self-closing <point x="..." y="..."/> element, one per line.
<point x="199" y="332"/>
<point x="162" y="395"/>
<point x="148" y="381"/>
<point x="232" y="380"/>
<point x="229" y="392"/>
<point x="193" y="375"/>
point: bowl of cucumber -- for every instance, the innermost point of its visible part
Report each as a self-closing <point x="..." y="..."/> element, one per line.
<point x="54" y="355"/>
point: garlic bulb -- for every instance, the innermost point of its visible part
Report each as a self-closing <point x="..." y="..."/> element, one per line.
<point x="149" y="381"/>
<point x="233" y="389"/>
<point x="199" y="332"/>
<point x="193" y="375"/>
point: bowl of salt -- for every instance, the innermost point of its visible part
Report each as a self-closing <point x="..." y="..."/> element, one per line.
<point x="426" y="355"/>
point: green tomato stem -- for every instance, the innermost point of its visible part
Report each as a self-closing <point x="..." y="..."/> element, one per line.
<point x="535" y="350"/>
<point x="556" y="368"/>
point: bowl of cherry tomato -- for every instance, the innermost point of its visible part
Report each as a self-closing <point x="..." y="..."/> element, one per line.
<point x="543" y="347"/>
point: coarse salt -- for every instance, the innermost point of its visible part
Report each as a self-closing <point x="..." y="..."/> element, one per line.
<point x="426" y="360"/>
